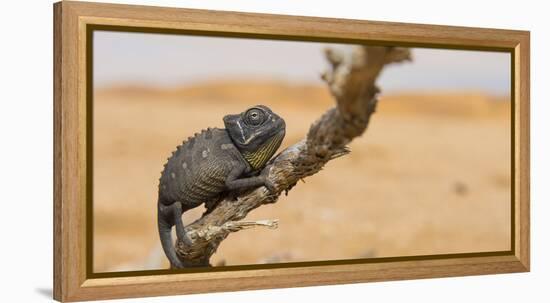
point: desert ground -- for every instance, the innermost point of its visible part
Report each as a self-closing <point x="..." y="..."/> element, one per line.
<point x="431" y="175"/>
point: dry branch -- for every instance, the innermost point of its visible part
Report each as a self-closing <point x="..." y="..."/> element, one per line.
<point x="351" y="82"/>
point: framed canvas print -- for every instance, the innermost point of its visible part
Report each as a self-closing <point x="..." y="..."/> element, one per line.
<point x="202" y="151"/>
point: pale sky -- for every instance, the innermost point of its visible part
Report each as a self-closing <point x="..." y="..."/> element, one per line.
<point x="169" y="60"/>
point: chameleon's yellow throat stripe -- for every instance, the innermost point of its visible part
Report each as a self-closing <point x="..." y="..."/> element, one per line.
<point x="260" y="157"/>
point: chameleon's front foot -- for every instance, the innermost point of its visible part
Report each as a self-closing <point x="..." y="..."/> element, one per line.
<point x="270" y="186"/>
<point x="268" y="183"/>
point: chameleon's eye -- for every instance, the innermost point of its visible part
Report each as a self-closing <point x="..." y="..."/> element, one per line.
<point x="254" y="117"/>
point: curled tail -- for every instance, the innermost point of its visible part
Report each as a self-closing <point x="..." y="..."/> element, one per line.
<point x="165" y="233"/>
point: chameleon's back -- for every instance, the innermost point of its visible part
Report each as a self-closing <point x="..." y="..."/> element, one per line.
<point x="196" y="171"/>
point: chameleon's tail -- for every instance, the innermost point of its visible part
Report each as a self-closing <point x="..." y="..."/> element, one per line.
<point x="165" y="233"/>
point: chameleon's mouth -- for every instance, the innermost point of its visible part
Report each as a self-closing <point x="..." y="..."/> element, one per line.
<point x="273" y="131"/>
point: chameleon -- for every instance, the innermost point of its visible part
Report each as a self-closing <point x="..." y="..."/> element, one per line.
<point x="212" y="163"/>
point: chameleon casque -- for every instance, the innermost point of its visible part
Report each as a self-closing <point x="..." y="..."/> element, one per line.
<point x="212" y="163"/>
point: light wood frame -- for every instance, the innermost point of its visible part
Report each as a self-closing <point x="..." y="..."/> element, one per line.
<point x="73" y="280"/>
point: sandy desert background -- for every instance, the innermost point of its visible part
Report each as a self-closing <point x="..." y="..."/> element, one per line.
<point x="430" y="176"/>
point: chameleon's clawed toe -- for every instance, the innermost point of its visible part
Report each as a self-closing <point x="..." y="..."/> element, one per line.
<point x="184" y="238"/>
<point x="270" y="185"/>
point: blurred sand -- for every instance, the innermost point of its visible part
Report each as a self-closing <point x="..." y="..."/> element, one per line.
<point x="430" y="176"/>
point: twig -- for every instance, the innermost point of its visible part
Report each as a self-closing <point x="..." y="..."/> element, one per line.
<point x="352" y="84"/>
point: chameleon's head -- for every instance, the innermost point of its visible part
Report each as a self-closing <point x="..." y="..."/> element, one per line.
<point x="256" y="129"/>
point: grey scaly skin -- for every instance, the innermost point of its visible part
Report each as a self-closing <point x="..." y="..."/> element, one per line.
<point x="212" y="163"/>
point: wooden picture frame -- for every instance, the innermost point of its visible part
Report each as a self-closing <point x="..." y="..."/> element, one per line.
<point x="73" y="23"/>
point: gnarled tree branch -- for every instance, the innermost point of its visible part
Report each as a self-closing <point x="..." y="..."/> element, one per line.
<point x="352" y="83"/>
